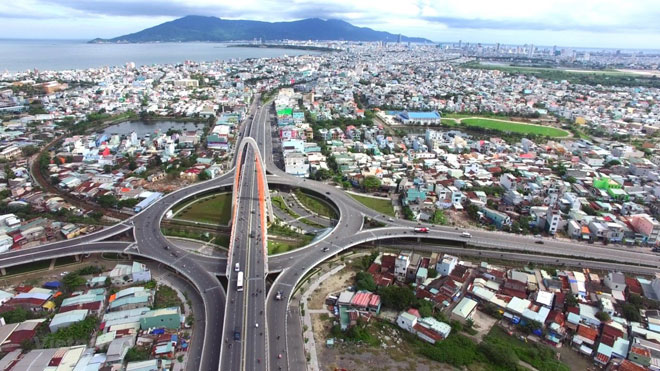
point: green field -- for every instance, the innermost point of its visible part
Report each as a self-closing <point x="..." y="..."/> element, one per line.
<point x="316" y="205"/>
<point x="382" y="206"/>
<point x="214" y="210"/>
<point x="515" y="127"/>
<point x="278" y="247"/>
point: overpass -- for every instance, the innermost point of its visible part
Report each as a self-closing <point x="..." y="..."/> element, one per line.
<point x="260" y="346"/>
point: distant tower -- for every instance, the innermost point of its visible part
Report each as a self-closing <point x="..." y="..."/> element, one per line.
<point x="399" y="39"/>
<point x="497" y="48"/>
<point x="530" y="52"/>
<point x="460" y="43"/>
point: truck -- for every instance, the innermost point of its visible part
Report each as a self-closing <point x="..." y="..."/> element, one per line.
<point x="239" y="281"/>
<point x="422" y="230"/>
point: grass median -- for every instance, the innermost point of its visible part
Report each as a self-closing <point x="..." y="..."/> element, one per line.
<point x="380" y="205"/>
<point x="215" y="210"/>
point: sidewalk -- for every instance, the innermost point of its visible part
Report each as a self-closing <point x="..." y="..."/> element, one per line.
<point x="310" y="345"/>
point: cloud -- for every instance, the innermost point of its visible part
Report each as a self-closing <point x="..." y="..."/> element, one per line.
<point x="434" y="19"/>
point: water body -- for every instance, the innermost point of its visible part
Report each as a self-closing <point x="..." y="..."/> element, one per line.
<point x="153" y="128"/>
<point x="22" y="55"/>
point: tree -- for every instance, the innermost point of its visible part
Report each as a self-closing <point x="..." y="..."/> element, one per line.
<point x="371" y="183"/>
<point x="203" y="175"/>
<point x="408" y="213"/>
<point x="631" y="312"/>
<point x="500" y="353"/>
<point x="433" y="273"/>
<point x="397" y="297"/>
<point x="364" y="281"/>
<point x="603" y="317"/>
<point x="425" y="308"/>
<point x="132" y="165"/>
<point x="107" y="201"/>
<point x="439" y="217"/>
<point x="73" y="280"/>
<point x="9" y="172"/>
<point x="107" y="169"/>
<point x="473" y="211"/>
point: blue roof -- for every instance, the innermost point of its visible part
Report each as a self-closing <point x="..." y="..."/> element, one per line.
<point x="421" y="115"/>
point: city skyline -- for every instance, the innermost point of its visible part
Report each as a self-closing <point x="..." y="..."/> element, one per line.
<point x="586" y="24"/>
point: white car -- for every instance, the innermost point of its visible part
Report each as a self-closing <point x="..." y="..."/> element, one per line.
<point x="237" y="267"/>
<point x="466" y="235"/>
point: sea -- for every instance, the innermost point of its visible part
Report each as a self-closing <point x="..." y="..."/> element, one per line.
<point x="43" y="55"/>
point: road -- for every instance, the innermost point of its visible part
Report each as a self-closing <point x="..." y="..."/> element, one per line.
<point x="247" y="255"/>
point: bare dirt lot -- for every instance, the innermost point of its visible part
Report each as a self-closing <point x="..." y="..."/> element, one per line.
<point x="336" y="283"/>
<point x="393" y="354"/>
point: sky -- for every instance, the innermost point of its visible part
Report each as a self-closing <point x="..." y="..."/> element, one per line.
<point x="631" y="24"/>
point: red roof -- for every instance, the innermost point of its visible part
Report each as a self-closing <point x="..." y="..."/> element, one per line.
<point x="626" y="365"/>
<point x="587" y="332"/>
<point x="602" y="358"/>
<point x="364" y="299"/>
<point x="429" y="333"/>
<point x="414" y="312"/>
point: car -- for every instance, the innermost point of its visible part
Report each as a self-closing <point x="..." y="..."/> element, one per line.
<point x="64" y="273"/>
<point x="540" y="242"/>
<point x="253" y="234"/>
<point x="327" y="193"/>
<point x="466" y="235"/>
<point x="390" y="219"/>
<point x="175" y="255"/>
<point x="278" y="296"/>
<point x="237" y="335"/>
<point x="166" y="247"/>
<point x="421" y="230"/>
<point x="537" y="236"/>
<point x="325" y="249"/>
<point x="256" y="325"/>
<point x="237" y="267"/>
<point x="251" y="211"/>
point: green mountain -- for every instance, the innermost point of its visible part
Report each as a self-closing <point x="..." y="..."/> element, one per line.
<point x="199" y="28"/>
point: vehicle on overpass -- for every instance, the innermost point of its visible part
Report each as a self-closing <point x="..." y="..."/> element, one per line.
<point x="239" y="281"/>
<point x="422" y="230"/>
<point x="466" y="235"/>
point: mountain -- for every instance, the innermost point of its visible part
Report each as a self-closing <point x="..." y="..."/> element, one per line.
<point x="199" y="28"/>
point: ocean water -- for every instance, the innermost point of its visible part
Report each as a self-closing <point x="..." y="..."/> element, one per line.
<point x="22" y="55"/>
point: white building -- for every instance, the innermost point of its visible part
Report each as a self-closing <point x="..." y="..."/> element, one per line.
<point x="446" y="265"/>
<point x="296" y="164"/>
<point x="401" y="265"/>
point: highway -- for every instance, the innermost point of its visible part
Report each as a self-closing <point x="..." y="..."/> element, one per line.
<point x="244" y="346"/>
<point x="278" y="332"/>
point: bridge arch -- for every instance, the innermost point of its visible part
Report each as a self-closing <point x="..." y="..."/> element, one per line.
<point x="253" y="144"/>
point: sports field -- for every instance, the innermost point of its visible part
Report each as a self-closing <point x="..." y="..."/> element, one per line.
<point x="515" y="127"/>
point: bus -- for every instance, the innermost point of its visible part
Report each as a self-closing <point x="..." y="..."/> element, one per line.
<point x="239" y="281"/>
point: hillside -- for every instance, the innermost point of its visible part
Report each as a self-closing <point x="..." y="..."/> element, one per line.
<point x="200" y="28"/>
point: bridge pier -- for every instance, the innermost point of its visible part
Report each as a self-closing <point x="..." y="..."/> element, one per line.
<point x="3" y="271"/>
<point x="77" y="257"/>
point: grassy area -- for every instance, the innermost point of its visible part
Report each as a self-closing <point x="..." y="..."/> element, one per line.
<point x="515" y="127"/>
<point x="215" y="210"/>
<point x="23" y="268"/>
<point x="540" y="356"/>
<point x="311" y="223"/>
<point x="65" y="260"/>
<point x="279" y="202"/>
<point x="277" y="247"/>
<point x="166" y="297"/>
<point x="185" y="233"/>
<point x="316" y="205"/>
<point x="382" y="206"/>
